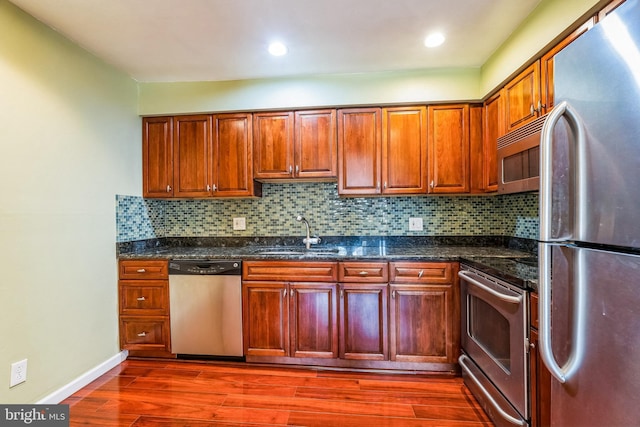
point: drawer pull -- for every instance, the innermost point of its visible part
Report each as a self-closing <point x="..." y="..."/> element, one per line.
<point x="141" y="299"/>
<point x="142" y="334"/>
<point x="363" y="273"/>
<point x="141" y="270"/>
<point x="420" y="274"/>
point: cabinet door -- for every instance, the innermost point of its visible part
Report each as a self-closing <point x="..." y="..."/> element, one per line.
<point x="522" y="95"/>
<point x="273" y="145"/>
<point x="493" y="128"/>
<point x="404" y="150"/>
<point x="314" y="320"/>
<point x="363" y="317"/>
<point x="265" y="322"/>
<point x="232" y="155"/>
<point x="421" y="325"/>
<point x="359" y="153"/>
<point x="449" y="148"/>
<point x="192" y="156"/>
<point x="539" y="385"/>
<point x="546" y="65"/>
<point x="316" y="150"/>
<point x="157" y="156"/>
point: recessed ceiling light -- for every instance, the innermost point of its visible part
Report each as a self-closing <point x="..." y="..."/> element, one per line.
<point x="434" y="40"/>
<point x="277" y="49"/>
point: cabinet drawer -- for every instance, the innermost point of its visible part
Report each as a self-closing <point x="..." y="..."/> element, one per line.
<point x="533" y="308"/>
<point x="144" y="333"/>
<point x="290" y="271"/>
<point x="363" y="272"/>
<point x="147" y="298"/>
<point x="144" y="269"/>
<point x="421" y="272"/>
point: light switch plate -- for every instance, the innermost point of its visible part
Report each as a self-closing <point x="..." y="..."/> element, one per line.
<point x="239" y="224"/>
<point x="415" y="224"/>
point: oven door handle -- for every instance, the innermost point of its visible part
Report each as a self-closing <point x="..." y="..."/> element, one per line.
<point x="469" y="277"/>
<point x="490" y="399"/>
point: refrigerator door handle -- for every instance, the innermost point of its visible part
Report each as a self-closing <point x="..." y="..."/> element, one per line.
<point x="561" y="373"/>
<point x="546" y="170"/>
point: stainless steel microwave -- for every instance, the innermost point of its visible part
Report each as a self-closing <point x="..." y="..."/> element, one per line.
<point x="519" y="159"/>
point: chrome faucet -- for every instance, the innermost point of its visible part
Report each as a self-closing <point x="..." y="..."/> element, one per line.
<point x="308" y="240"/>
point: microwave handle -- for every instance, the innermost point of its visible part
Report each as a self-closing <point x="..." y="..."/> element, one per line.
<point x="546" y="172"/>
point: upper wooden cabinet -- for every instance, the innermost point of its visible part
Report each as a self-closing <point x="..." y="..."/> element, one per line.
<point x="300" y="145"/>
<point x="404" y="150"/>
<point x="232" y="156"/>
<point x="359" y="151"/>
<point x="273" y="144"/>
<point x="522" y="97"/>
<point x="546" y="66"/>
<point x="192" y="156"/>
<point x="315" y="151"/>
<point x="382" y="151"/>
<point x="493" y="127"/>
<point x="448" y="148"/>
<point x="157" y="156"/>
<point x="198" y="156"/>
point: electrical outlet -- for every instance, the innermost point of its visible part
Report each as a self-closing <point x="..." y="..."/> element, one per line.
<point x="239" y="224"/>
<point x="415" y="224"/>
<point x="18" y="373"/>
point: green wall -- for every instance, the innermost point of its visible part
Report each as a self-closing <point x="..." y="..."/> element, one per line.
<point x="70" y="140"/>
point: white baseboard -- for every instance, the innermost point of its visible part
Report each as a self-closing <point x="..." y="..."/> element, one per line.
<point x="84" y="379"/>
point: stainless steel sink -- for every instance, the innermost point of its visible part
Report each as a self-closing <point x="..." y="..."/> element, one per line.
<point x="286" y="251"/>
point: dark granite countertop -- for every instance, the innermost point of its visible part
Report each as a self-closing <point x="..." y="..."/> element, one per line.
<point x="491" y="255"/>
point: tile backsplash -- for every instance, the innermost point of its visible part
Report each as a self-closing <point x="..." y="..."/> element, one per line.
<point x="329" y="215"/>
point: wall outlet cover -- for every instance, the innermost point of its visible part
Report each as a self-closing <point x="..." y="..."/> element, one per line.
<point x="239" y="224"/>
<point x="18" y="373"/>
<point x="415" y="224"/>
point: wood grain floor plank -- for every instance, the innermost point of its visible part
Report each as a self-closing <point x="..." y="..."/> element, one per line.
<point x="144" y="393"/>
<point x="321" y="405"/>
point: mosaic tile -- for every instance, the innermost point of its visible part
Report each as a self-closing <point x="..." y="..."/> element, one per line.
<point x="275" y="215"/>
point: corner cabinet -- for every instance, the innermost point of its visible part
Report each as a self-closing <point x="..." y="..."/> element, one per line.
<point x="143" y="295"/>
<point x="157" y="157"/>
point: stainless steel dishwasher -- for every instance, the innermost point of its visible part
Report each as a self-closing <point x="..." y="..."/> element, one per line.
<point x="205" y="299"/>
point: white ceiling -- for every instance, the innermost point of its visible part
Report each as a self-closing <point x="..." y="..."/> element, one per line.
<point x="209" y="40"/>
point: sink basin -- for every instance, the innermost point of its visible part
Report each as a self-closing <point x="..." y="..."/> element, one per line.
<point x="286" y="251"/>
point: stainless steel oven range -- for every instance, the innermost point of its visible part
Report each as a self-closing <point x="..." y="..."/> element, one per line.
<point x="495" y="356"/>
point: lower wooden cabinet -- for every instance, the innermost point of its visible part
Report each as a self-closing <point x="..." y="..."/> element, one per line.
<point x="143" y="291"/>
<point x="398" y="315"/>
<point x="424" y="312"/>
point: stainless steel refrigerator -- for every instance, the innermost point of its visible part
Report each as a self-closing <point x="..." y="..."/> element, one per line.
<point x="589" y="248"/>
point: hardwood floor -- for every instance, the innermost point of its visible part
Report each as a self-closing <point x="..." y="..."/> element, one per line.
<point x="145" y="393"/>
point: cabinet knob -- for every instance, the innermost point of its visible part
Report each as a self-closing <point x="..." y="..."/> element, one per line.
<point x="363" y="273"/>
<point x="142" y="334"/>
<point x="284" y="294"/>
<point x="420" y="273"/>
<point x="215" y="187"/>
<point x="432" y="184"/>
<point x="341" y="293"/>
<point x="385" y="185"/>
<point x="141" y="270"/>
<point x="532" y="110"/>
<point x="290" y="170"/>
<point x="141" y="299"/>
<point x="393" y="294"/>
<point x="208" y="187"/>
<point x="168" y="189"/>
<point x="378" y="186"/>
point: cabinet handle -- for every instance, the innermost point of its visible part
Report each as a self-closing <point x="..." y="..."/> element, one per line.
<point x="291" y="293"/>
<point x="297" y="169"/>
<point x="393" y="294"/>
<point x="141" y="299"/>
<point x="142" y="334"/>
<point x="215" y="187"/>
<point x="363" y="273"/>
<point x="290" y="170"/>
<point x="168" y="189"/>
<point x="284" y="294"/>
<point x="341" y="293"/>
<point x="208" y="187"/>
<point x="541" y="106"/>
<point x="432" y="184"/>
<point x="141" y="270"/>
<point x="378" y="186"/>
<point x="532" y="110"/>
<point x="420" y="274"/>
